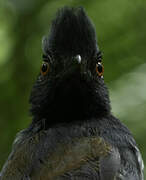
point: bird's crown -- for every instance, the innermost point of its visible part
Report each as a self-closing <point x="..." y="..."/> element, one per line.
<point x="71" y="33"/>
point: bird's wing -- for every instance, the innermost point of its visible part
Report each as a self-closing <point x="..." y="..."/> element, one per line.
<point x="131" y="167"/>
<point x="139" y="162"/>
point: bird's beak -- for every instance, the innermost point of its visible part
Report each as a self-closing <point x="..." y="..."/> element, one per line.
<point x="78" y="59"/>
<point x="81" y="64"/>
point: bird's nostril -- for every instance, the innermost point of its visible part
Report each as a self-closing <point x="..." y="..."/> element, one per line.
<point x="78" y="59"/>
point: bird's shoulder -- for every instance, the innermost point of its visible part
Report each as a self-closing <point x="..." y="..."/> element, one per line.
<point x="119" y="136"/>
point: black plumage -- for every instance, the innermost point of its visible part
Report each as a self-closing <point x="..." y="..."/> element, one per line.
<point x="73" y="134"/>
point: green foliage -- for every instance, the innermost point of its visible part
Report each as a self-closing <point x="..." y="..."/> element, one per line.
<point x="121" y="28"/>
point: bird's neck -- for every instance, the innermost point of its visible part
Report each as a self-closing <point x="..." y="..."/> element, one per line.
<point x="71" y="106"/>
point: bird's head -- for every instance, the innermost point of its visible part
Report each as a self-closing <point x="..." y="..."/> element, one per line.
<point x="70" y="85"/>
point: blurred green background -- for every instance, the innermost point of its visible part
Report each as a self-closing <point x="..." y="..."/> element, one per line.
<point x="121" y="29"/>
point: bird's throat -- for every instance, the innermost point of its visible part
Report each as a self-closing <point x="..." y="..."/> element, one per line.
<point x="71" y="101"/>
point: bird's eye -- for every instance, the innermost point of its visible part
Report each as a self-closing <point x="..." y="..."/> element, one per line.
<point x="99" y="69"/>
<point x="45" y="68"/>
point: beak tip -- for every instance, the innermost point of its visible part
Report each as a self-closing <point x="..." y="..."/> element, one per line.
<point x="78" y="59"/>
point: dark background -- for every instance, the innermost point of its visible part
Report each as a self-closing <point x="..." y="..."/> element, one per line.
<point x="121" y="29"/>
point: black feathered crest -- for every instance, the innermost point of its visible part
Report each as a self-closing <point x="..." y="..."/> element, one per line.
<point x="71" y="33"/>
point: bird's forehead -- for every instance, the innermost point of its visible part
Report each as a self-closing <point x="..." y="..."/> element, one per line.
<point x="77" y="60"/>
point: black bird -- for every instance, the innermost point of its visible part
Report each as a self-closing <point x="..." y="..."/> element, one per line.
<point x="73" y="135"/>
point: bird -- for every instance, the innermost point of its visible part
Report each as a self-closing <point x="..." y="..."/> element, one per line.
<point x="73" y="134"/>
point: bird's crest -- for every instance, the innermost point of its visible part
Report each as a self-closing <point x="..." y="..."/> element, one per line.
<point x="71" y="33"/>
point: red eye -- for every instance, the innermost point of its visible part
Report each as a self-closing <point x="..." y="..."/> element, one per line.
<point x="45" y="68"/>
<point x="99" y="69"/>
